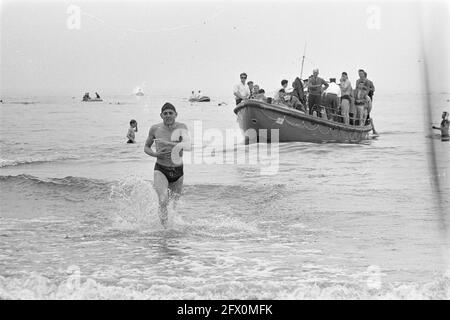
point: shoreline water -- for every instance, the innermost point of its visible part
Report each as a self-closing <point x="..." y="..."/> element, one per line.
<point x="339" y="221"/>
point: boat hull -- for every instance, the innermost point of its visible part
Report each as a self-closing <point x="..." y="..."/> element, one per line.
<point x="92" y="100"/>
<point x="201" y="99"/>
<point x="293" y="125"/>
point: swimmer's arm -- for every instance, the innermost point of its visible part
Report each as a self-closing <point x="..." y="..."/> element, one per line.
<point x="162" y="154"/>
<point x="437" y="128"/>
<point x="149" y="142"/>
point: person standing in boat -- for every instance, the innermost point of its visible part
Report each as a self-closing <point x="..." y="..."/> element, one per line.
<point x="347" y="103"/>
<point x="97" y="95"/>
<point x="298" y="90"/>
<point x="370" y="92"/>
<point x="332" y="98"/>
<point x="367" y="83"/>
<point x="315" y="87"/>
<point x="362" y="103"/>
<point x="241" y="90"/>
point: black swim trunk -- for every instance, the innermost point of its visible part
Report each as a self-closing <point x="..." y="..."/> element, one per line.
<point x="130" y="141"/>
<point x="171" y="173"/>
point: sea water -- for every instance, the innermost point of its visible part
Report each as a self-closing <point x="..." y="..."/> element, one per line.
<point x="79" y="216"/>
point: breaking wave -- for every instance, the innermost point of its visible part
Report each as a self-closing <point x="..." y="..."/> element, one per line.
<point x="73" y="286"/>
<point x="31" y="160"/>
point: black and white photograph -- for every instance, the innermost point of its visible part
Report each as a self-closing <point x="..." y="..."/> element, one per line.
<point x="224" y="150"/>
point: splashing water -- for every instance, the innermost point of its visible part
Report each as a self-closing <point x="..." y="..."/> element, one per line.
<point x="137" y="204"/>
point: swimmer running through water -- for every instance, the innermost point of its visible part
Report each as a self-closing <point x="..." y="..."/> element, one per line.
<point x="170" y="138"/>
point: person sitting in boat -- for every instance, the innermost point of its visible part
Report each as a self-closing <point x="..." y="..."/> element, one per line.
<point x="283" y="89"/>
<point x="362" y="104"/>
<point x="251" y="88"/>
<point x="241" y="91"/>
<point x="260" y="95"/>
<point x="86" y="96"/>
<point x="445" y="123"/>
<point x="254" y="91"/>
<point x="97" y="95"/>
<point x="315" y="87"/>
<point x="193" y="95"/>
<point x="199" y="94"/>
<point x="290" y="100"/>
<point x="332" y="100"/>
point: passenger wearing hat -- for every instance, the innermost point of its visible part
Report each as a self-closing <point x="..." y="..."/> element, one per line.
<point x="170" y="138"/>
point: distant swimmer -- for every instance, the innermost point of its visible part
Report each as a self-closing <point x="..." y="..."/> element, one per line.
<point x="133" y="128"/>
<point x="170" y="139"/>
<point x="97" y="95"/>
<point x="444" y="127"/>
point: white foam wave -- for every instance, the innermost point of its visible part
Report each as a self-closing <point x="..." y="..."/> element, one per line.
<point x="31" y="160"/>
<point x="36" y="286"/>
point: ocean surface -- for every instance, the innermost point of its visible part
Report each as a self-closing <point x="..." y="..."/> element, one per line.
<point x="78" y="213"/>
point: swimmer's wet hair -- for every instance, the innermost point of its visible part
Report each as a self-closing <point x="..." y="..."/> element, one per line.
<point x="168" y="105"/>
<point x="132" y="121"/>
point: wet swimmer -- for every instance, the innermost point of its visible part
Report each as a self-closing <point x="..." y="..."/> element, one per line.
<point x="170" y="138"/>
<point x="131" y="130"/>
<point x="444" y="127"/>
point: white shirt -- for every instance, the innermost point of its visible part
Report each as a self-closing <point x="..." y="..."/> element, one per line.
<point x="334" y="88"/>
<point x="242" y="90"/>
<point x="277" y="93"/>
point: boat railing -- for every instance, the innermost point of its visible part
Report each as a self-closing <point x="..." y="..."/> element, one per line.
<point x="325" y="113"/>
<point x="329" y="113"/>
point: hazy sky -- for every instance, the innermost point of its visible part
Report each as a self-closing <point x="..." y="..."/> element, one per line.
<point x="176" y="47"/>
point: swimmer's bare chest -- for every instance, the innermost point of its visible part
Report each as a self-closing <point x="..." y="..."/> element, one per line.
<point x="168" y="134"/>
